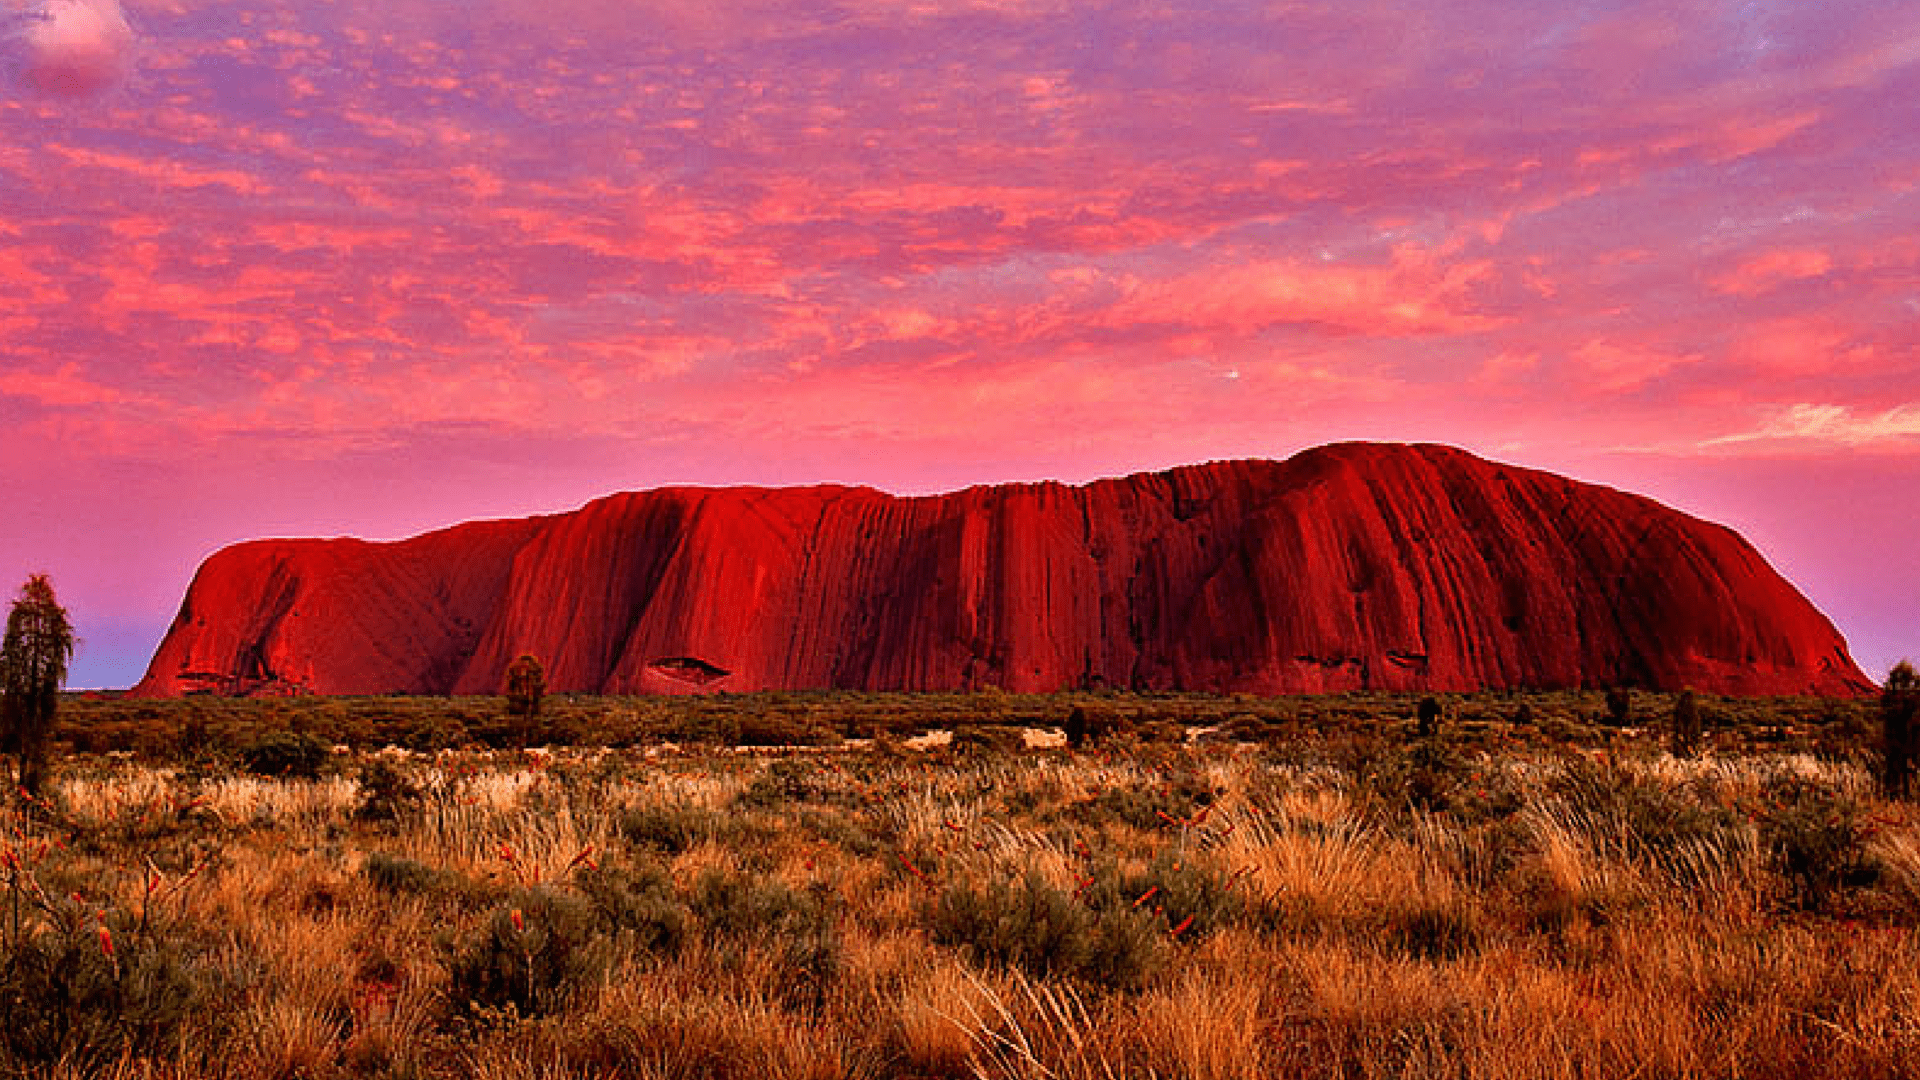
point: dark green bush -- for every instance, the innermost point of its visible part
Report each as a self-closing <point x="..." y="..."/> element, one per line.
<point x="1620" y="706"/>
<point x="746" y="904"/>
<point x="852" y="833"/>
<point x="787" y="783"/>
<point x="1427" y="717"/>
<point x="639" y="903"/>
<point x="780" y="729"/>
<point x="386" y="792"/>
<point x="1434" y="930"/>
<point x="399" y="874"/>
<point x="292" y="754"/>
<point x="735" y="909"/>
<point x="1425" y="776"/>
<point x="1077" y="728"/>
<point x="1817" y="841"/>
<point x="1899" y="730"/>
<point x="1029" y="924"/>
<point x="1246" y="727"/>
<point x="1179" y="796"/>
<point x="672" y="828"/>
<point x="1186" y="893"/>
<point x="68" y="996"/>
<point x="1163" y="732"/>
<point x="1686" y="724"/>
<point x="529" y="956"/>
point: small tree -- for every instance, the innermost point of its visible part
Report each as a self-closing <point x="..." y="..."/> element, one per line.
<point x="33" y="666"/>
<point x="1686" y="724"/>
<point x="1077" y="728"/>
<point x="1427" y="717"/>
<point x="1900" y="729"/>
<point x="526" y="684"/>
<point x="1620" y="706"/>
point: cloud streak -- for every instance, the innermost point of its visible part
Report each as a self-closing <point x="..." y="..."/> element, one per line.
<point x="1833" y="424"/>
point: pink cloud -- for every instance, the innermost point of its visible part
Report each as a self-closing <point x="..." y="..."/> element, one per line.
<point x="1769" y="270"/>
<point x="1607" y="367"/>
<point x="1832" y="424"/>
<point x="66" y="386"/>
<point x="78" y="47"/>
<point x="1415" y="294"/>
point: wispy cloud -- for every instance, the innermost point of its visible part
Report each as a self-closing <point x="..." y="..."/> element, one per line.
<point x="1836" y="425"/>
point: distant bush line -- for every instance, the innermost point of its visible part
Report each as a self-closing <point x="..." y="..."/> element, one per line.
<point x="279" y="736"/>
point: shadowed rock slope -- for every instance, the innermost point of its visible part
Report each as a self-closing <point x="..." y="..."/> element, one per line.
<point x="1353" y="566"/>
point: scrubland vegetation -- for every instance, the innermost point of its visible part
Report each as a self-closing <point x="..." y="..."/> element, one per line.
<point x="1308" y="887"/>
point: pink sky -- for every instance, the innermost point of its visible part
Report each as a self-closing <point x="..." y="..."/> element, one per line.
<point x="370" y="268"/>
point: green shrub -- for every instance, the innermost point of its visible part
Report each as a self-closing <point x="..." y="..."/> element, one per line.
<point x="673" y="828"/>
<point x="1184" y="893"/>
<point x="1246" y="727"/>
<point x="1027" y="923"/>
<point x="292" y="754"/>
<point x="852" y="834"/>
<point x="735" y="909"/>
<point x="528" y="957"/>
<point x="745" y="904"/>
<point x="399" y="874"/>
<point x="84" y="993"/>
<point x="637" y="902"/>
<point x="1425" y="776"/>
<point x="788" y="782"/>
<point x="779" y="729"/>
<point x="385" y="792"/>
<point x="1817" y="841"/>
<point x="1166" y="732"/>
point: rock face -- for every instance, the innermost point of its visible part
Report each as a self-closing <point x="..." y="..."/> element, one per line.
<point x="1354" y="566"/>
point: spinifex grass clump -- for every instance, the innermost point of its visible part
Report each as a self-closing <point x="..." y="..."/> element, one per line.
<point x="1817" y="839"/>
<point x="1621" y="809"/>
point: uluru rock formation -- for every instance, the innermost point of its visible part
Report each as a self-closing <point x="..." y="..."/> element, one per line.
<point x="1353" y="566"/>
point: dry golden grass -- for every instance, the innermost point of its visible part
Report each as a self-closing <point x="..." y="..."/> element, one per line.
<point x="1187" y="912"/>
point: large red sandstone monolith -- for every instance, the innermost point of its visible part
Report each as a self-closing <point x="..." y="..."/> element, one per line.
<point x="1354" y="566"/>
